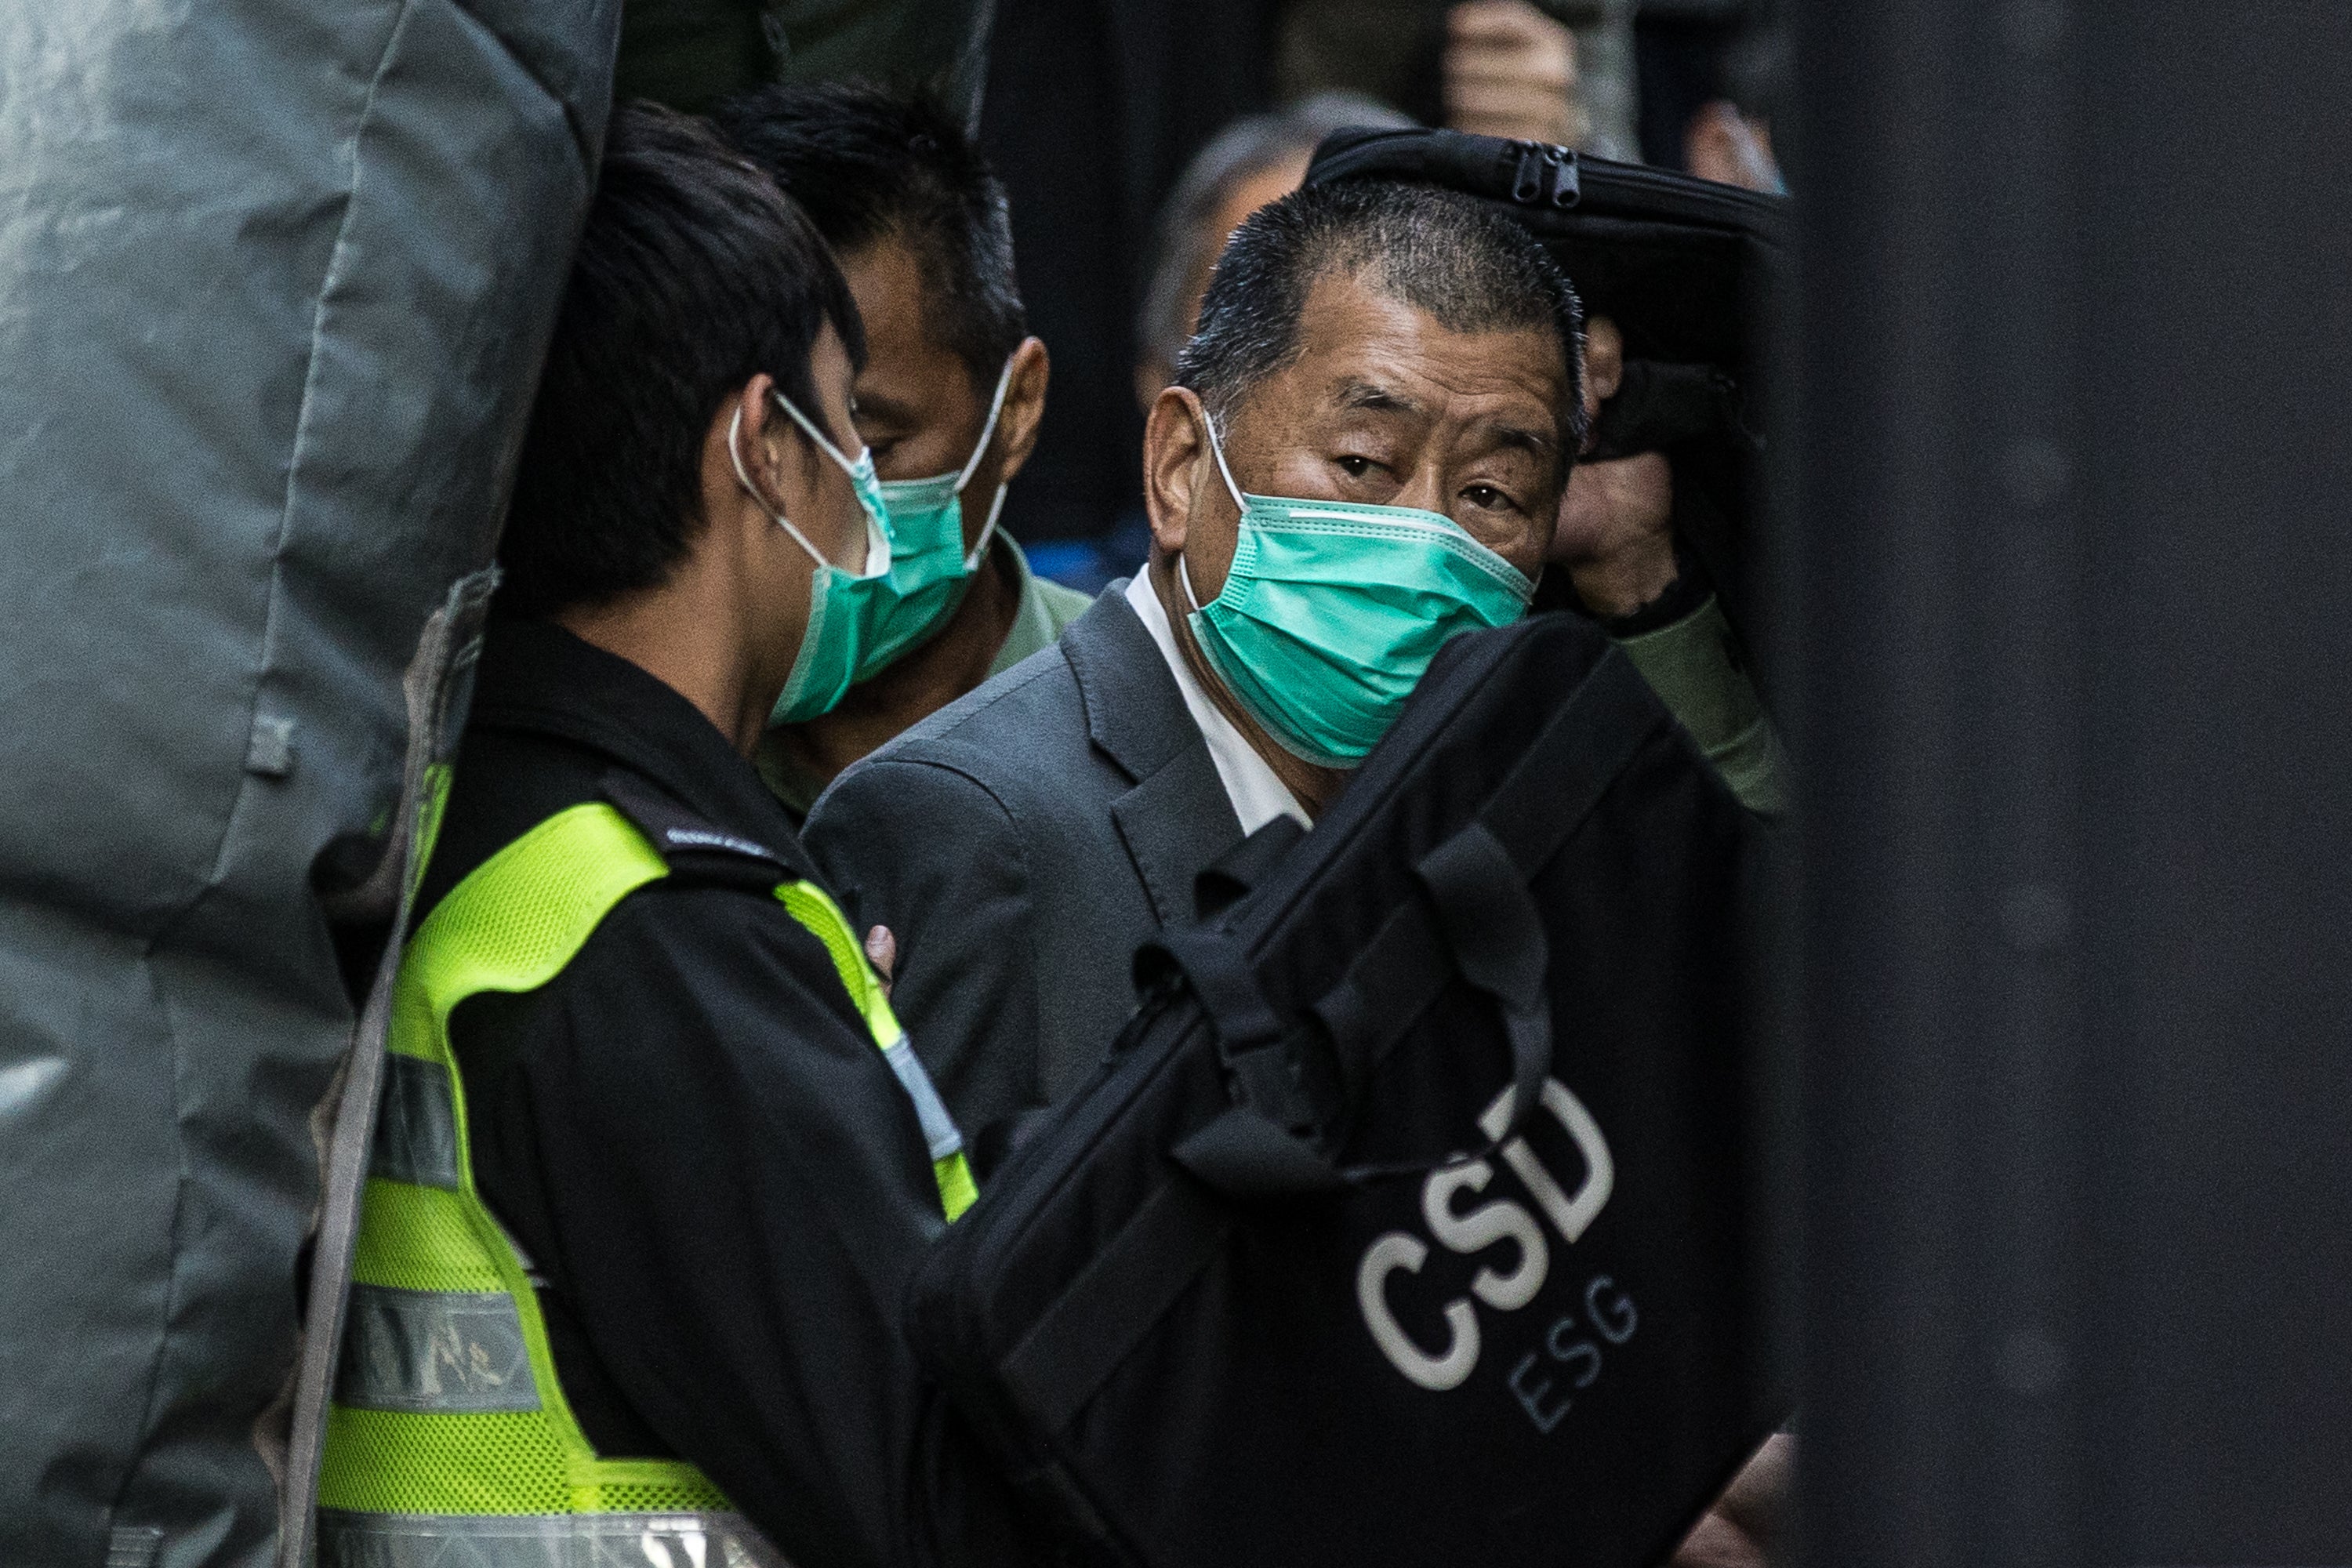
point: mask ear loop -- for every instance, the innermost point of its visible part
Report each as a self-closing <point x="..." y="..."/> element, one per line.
<point x="987" y="532"/>
<point x="1184" y="576"/>
<point x="987" y="431"/>
<point x="815" y="434"/>
<point x="1183" y="573"/>
<point x="744" y="477"/>
<point x="1218" y="447"/>
<point x="877" y="541"/>
<point x="971" y="465"/>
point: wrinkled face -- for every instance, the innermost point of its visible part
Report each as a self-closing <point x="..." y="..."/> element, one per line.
<point x="917" y="406"/>
<point x="1385" y="406"/>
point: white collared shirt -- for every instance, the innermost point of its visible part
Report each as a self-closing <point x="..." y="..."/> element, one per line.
<point x="1258" y="796"/>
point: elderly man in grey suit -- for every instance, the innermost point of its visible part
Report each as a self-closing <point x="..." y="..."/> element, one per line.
<point x="1365" y="452"/>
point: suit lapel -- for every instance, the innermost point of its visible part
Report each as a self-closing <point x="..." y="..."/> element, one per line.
<point x="1175" y="823"/>
<point x="1178" y="818"/>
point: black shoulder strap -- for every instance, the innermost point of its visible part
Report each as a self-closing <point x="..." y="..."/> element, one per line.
<point x="1543" y="801"/>
<point x="1223" y="881"/>
<point x="1477" y="923"/>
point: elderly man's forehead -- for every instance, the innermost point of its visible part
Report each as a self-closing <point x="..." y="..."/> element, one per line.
<point x="1351" y="305"/>
<point x="1361" y="347"/>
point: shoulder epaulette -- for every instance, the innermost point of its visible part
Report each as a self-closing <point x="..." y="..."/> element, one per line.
<point x="693" y="848"/>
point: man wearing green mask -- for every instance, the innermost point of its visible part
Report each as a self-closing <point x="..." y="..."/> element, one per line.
<point x="655" y="1164"/>
<point x="1364" y="456"/>
<point x="949" y="401"/>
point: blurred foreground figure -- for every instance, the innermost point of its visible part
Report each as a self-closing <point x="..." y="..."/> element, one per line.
<point x="274" y="284"/>
<point x="656" y="1162"/>
<point x="949" y="401"/>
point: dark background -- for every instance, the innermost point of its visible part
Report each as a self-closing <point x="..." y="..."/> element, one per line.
<point x="2065" y="594"/>
<point x="1092" y="110"/>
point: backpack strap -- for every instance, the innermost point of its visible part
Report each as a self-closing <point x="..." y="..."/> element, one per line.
<point x="1477" y="921"/>
<point x="1543" y="800"/>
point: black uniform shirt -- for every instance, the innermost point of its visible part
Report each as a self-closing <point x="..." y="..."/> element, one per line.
<point x="692" y="1135"/>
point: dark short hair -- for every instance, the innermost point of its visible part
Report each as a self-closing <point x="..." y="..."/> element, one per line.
<point x="694" y="274"/>
<point x="1439" y="251"/>
<point x="867" y="164"/>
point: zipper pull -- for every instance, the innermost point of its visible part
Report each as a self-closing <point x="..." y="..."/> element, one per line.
<point x="1545" y="175"/>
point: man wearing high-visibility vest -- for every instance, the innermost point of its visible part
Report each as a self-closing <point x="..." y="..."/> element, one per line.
<point x="654" y="1162"/>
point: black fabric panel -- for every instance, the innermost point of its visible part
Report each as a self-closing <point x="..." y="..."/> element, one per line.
<point x="1093" y="109"/>
<point x="691" y="1133"/>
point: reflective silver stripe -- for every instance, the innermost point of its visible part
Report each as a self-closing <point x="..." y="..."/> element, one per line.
<point x="417" y="1127"/>
<point x="939" y="1127"/>
<point x="134" y="1545"/>
<point x="434" y="1351"/>
<point x="542" y="1541"/>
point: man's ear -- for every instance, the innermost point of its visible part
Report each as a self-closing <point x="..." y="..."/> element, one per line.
<point x="1604" y="363"/>
<point x="750" y="416"/>
<point x="1025" y="406"/>
<point x="751" y="412"/>
<point x="1175" y="453"/>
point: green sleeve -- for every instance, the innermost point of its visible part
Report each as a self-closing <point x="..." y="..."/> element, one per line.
<point x="1693" y="666"/>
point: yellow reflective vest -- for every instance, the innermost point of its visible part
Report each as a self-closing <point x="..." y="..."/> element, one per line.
<point x="449" y="1443"/>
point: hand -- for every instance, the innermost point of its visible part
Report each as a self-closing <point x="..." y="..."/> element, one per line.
<point x="1716" y="1543"/>
<point x="882" y="953"/>
<point x="1509" y="70"/>
<point x="1726" y="146"/>
<point x="1616" y="533"/>
<point x="1744" y="1528"/>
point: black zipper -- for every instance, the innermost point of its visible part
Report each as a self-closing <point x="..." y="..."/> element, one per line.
<point x="1700" y="199"/>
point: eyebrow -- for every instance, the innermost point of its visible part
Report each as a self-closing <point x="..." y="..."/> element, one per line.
<point x="1354" y="394"/>
<point x="1523" y="439"/>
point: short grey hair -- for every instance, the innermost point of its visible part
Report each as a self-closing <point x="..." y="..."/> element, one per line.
<point x="1465" y="264"/>
<point x="1240" y="153"/>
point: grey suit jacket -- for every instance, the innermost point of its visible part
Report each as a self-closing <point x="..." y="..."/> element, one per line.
<point x="1020" y="843"/>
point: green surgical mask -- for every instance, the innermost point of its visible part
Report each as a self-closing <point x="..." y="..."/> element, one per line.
<point x="930" y="567"/>
<point x="843" y="608"/>
<point x="1331" y="613"/>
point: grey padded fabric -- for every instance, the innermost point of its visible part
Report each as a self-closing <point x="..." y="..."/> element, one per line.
<point x="275" y="281"/>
